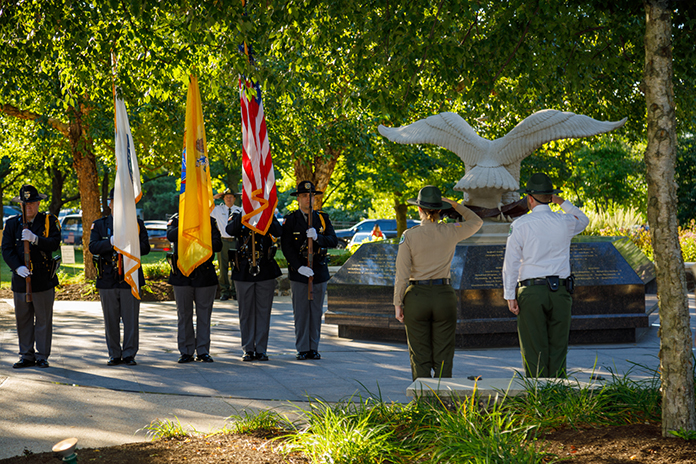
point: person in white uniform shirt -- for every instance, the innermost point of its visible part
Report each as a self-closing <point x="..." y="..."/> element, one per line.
<point x="222" y="213"/>
<point x="537" y="280"/>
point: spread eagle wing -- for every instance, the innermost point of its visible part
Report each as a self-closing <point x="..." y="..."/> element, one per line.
<point x="545" y="126"/>
<point x="448" y="130"/>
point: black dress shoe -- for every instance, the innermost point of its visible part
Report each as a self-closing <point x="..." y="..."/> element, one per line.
<point x="206" y="358"/>
<point x="23" y="363"/>
<point x="113" y="362"/>
<point x="313" y="354"/>
<point x="261" y="357"/>
<point x="224" y="298"/>
<point x="249" y="356"/>
<point x="302" y="355"/>
<point x="42" y="363"/>
<point x="185" y="358"/>
<point x="129" y="361"/>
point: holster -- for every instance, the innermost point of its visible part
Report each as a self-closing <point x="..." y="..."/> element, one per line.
<point x="98" y="262"/>
<point x="171" y="259"/>
<point x="55" y="264"/>
<point x="570" y="283"/>
<point x="554" y="283"/>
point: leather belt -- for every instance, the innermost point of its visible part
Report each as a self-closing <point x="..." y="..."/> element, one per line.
<point x="229" y="239"/>
<point x="430" y="282"/>
<point x="541" y="281"/>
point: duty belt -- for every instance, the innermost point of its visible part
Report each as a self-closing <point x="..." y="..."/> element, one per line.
<point x="430" y="282"/>
<point x="541" y="281"/>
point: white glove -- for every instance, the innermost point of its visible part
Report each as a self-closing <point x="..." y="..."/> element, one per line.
<point x="23" y="271"/>
<point x="312" y="233"/>
<point x="111" y="239"/>
<point x="29" y="236"/>
<point x="306" y="271"/>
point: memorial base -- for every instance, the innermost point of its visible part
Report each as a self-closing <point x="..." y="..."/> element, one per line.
<point x="608" y="305"/>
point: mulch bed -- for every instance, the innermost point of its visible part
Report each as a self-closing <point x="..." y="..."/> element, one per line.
<point x="640" y="443"/>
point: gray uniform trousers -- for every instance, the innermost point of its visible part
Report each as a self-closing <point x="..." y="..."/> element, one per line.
<point x="226" y="287"/>
<point x="188" y="340"/>
<point x="255" y="300"/>
<point x="35" y="324"/>
<point x="119" y="304"/>
<point x="307" y="315"/>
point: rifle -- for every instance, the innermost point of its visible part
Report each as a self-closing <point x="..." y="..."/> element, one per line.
<point x="310" y="250"/>
<point x="27" y="254"/>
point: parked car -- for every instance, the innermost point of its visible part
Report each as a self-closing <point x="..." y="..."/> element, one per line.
<point x="388" y="227"/>
<point x="71" y="229"/>
<point x="9" y="211"/>
<point x="157" y="235"/>
<point x="359" y="237"/>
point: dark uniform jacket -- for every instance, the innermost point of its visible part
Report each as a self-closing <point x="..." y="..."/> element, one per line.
<point x="47" y="228"/>
<point x="100" y="244"/>
<point x="267" y="267"/>
<point x="294" y="242"/>
<point x="204" y="275"/>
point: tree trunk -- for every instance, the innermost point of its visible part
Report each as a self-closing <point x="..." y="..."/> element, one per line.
<point x="85" y="165"/>
<point x="660" y="155"/>
<point x="401" y="210"/>
<point x="318" y="172"/>
<point x="57" y="182"/>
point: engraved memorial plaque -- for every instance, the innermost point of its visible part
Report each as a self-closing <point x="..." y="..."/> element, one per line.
<point x="608" y="305"/>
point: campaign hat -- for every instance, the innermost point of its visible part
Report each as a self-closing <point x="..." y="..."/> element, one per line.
<point x="429" y="197"/>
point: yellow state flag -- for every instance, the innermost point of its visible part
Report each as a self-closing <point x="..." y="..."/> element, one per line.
<point x="195" y="244"/>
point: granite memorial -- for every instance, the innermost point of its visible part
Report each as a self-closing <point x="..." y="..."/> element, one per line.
<point x="612" y="275"/>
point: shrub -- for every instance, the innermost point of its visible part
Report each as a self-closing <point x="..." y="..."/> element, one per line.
<point x="631" y="223"/>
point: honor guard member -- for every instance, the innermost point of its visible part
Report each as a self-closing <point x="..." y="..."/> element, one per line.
<point x="222" y="213"/>
<point x="424" y="300"/>
<point x="117" y="301"/>
<point x="537" y="279"/>
<point x="294" y="243"/>
<point x="254" y="272"/>
<point x="198" y="288"/>
<point x="34" y="286"/>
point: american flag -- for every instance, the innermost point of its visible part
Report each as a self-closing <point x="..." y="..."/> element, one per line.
<point x="259" y="196"/>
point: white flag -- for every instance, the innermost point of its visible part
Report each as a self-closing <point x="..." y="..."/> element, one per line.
<point x="126" y="193"/>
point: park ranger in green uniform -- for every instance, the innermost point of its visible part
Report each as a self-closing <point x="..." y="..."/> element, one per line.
<point x="424" y="300"/>
<point x="537" y="280"/>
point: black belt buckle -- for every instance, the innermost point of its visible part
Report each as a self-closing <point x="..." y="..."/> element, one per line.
<point x="554" y="283"/>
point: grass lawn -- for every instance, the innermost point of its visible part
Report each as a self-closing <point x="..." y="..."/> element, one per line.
<point x="338" y="257"/>
<point x="78" y="266"/>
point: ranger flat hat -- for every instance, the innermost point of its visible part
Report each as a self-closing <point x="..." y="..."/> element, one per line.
<point x="429" y="197"/>
<point x="539" y="183"/>
<point x="28" y="194"/>
<point x="305" y="187"/>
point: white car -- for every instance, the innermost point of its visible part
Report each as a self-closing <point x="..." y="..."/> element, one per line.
<point x="359" y="237"/>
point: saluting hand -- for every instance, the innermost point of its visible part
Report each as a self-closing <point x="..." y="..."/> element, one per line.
<point x="556" y="199"/>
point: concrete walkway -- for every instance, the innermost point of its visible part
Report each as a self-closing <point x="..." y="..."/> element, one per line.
<point x="80" y="396"/>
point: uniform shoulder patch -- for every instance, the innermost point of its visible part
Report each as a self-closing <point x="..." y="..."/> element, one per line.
<point x="92" y="226"/>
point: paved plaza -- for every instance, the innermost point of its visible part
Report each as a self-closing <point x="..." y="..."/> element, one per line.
<point x="80" y="396"/>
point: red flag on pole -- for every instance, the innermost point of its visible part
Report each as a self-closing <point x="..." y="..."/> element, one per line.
<point x="259" y="195"/>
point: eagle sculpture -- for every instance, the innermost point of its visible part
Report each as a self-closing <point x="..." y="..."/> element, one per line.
<point x="492" y="173"/>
